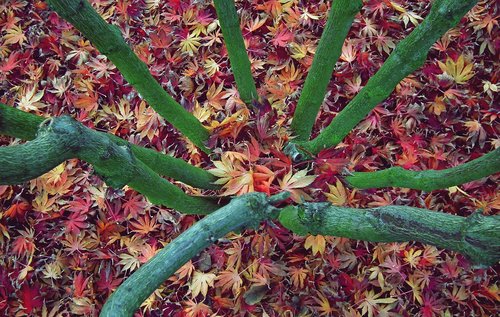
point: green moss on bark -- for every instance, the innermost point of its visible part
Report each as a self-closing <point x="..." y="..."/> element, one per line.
<point x="476" y="236"/>
<point x="23" y="125"/>
<point x="242" y="212"/>
<point x="62" y="138"/>
<point x="428" y="180"/>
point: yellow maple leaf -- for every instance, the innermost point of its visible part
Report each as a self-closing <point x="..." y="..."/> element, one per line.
<point x="324" y="307"/>
<point x="148" y="121"/>
<point x="459" y="70"/>
<point x="370" y="304"/>
<point x="293" y="184"/>
<point x="190" y="44"/>
<point x="412" y="257"/>
<point x="240" y="185"/>
<point x="297" y="51"/>
<point x="349" y="52"/>
<point x="455" y="189"/>
<point x="215" y="96"/>
<point x="298" y="276"/>
<point x="256" y="24"/>
<point x="316" y="243"/>
<point x="412" y="17"/>
<point x="397" y="7"/>
<point x="211" y="67"/>
<point x="231" y="125"/>
<point x="236" y="178"/>
<point x="30" y="99"/>
<point x="416" y="289"/>
<point x="201" y="113"/>
<point x="230" y="279"/>
<point x="473" y="126"/>
<point x="152" y="5"/>
<point x="14" y="35"/>
<point x="337" y="194"/>
<point x="130" y="262"/>
<point x="43" y="204"/>
<point x="200" y="283"/>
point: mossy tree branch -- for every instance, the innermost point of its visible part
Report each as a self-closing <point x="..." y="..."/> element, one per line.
<point x="246" y="211"/>
<point x="62" y="138"/>
<point x="17" y="123"/>
<point x="408" y="56"/>
<point x="328" y="52"/>
<point x="484" y="166"/>
<point x="476" y="236"/>
<point x="109" y="41"/>
<point x="233" y="38"/>
<point x="23" y="125"/>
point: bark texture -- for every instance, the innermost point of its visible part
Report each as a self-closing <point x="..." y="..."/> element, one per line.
<point x="17" y="123"/>
<point x="246" y="211"/>
<point x="484" y="166"/>
<point x="477" y="236"/>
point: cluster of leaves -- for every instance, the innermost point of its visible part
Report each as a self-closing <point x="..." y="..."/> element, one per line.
<point x="67" y="240"/>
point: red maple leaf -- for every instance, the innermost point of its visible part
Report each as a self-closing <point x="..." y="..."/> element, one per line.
<point x="79" y="285"/>
<point x="76" y="221"/>
<point x="17" y="210"/>
<point x="107" y="281"/>
<point x="11" y="63"/>
<point x="282" y="37"/>
<point x="134" y="206"/>
<point x="30" y="298"/>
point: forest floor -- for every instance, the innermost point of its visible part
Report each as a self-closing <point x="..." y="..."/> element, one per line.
<point x="67" y="240"/>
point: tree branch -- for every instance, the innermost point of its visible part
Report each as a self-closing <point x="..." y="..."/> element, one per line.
<point x="109" y="41"/>
<point x="173" y="167"/>
<point x="62" y="138"/>
<point x="328" y="52"/>
<point x="242" y="212"/>
<point x="476" y="236"/>
<point x="240" y="63"/>
<point x="23" y="125"/>
<point x="484" y="166"/>
<point x="408" y="56"/>
<point x="17" y="123"/>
